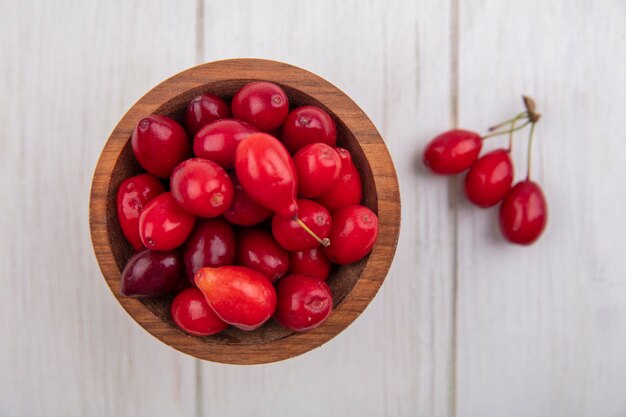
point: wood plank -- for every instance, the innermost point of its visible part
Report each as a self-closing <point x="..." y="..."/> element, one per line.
<point x="69" y="71"/>
<point x="542" y="330"/>
<point x="396" y="359"/>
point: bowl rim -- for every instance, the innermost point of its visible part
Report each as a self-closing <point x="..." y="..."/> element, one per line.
<point x="384" y="177"/>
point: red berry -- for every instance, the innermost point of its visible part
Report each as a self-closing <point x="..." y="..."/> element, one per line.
<point x="159" y="144"/>
<point x="347" y="189"/>
<point x="353" y="234"/>
<point x="204" y="109"/>
<point x="163" y="225"/>
<point x="218" y="141"/>
<point x="150" y="274"/>
<point x="307" y="125"/>
<point x="304" y="302"/>
<point x="452" y="152"/>
<point x="201" y="187"/>
<point x="317" y="166"/>
<point x="291" y="236"/>
<point x="266" y="172"/>
<point x="133" y="195"/>
<point x="212" y="243"/>
<point x="262" y="104"/>
<point x="244" y="211"/>
<point x="258" y="250"/>
<point x="523" y="213"/>
<point x="312" y="262"/>
<point x="239" y="296"/>
<point x="489" y="178"/>
<point x="192" y="314"/>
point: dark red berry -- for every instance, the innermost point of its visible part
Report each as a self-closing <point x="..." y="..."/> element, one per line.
<point x="304" y="302"/>
<point x="149" y="274"/>
<point x="204" y="109"/>
<point x="347" y="189"/>
<point x="258" y="250"/>
<point x="312" y="262"/>
<point x="307" y="125"/>
<point x="218" y="141"/>
<point x="212" y="243"/>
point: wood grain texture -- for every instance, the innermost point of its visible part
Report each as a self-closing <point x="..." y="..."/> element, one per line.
<point x="353" y="286"/>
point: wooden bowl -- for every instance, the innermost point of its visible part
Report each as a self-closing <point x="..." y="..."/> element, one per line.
<point x="353" y="286"/>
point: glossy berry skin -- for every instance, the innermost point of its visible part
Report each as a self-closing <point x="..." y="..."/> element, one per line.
<point x="312" y="262"/>
<point x="192" y="314"/>
<point x="204" y="109"/>
<point x="218" y="141"/>
<point x="244" y="211"/>
<point x="150" y="274"/>
<point x="133" y="195"/>
<point x="307" y="125"/>
<point x="267" y="174"/>
<point x="452" y="152"/>
<point x="211" y="243"/>
<point x="201" y="187"/>
<point x="292" y="237"/>
<point x="240" y="296"/>
<point x="163" y="225"/>
<point x="317" y="166"/>
<point x="347" y="189"/>
<point x="258" y="250"/>
<point x="304" y="302"/>
<point x="523" y="213"/>
<point x="159" y="144"/>
<point x="262" y="104"/>
<point x="353" y="235"/>
<point x="489" y="178"/>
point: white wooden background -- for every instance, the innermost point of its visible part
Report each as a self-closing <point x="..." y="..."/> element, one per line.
<point x="465" y="325"/>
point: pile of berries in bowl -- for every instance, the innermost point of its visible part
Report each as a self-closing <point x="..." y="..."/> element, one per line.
<point x="239" y="210"/>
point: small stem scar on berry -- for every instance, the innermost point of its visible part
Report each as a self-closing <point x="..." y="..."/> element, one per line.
<point x="530" y="145"/>
<point x="324" y="242"/>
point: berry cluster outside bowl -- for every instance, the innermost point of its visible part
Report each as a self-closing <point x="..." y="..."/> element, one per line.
<point x="353" y="286"/>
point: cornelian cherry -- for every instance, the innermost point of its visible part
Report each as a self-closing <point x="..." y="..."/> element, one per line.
<point x="192" y="314"/>
<point x="159" y="144"/>
<point x="452" y="152"/>
<point x="244" y="211"/>
<point x="304" y="302"/>
<point x="211" y="243"/>
<point x="163" y="225"/>
<point x="312" y="262"/>
<point x="347" y="189"/>
<point x="201" y="187"/>
<point x="218" y="141"/>
<point x="307" y="125"/>
<point x="489" y="178"/>
<point x="262" y="104"/>
<point x="150" y="274"/>
<point x="353" y="234"/>
<point x="258" y="250"/>
<point x="523" y="213"/>
<point x="240" y="296"/>
<point x="133" y="195"/>
<point x="317" y="166"/>
<point x="289" y="233"/>
<point x="204" y="109"/>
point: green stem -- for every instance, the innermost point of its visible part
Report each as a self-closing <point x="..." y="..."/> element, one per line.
<point x="504" y="132"/>
<point x="530" y="146"/>
<point x="506" y="122"/>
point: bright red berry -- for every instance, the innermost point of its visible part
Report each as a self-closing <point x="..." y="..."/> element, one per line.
<point x="258" y="250"/>
<point x="192" y="314"/>
<point x="262" y="104"/>
<point x="244" y="211"/>
<point x="204" y="109"/>
<point x="211" y="243"/>
<point x="489" y="178"/>
<point x="291" y="236"/>
<point x="523" y="213"/>
<point x="201" y="187"/>
<point x="159" y="144"/>
<point x="133" y="195"/>
<point x="304" y="302"/>
<point x="353" y="234"/>
<point x="307" y="125"/>
<point x="218" y="141"/>
<point x="163" y="225"/>
<point x="312" y="262"/>
<point x="347" y="189"/>
<point x="317" y="166"/>
<point x="452" y="152"/>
